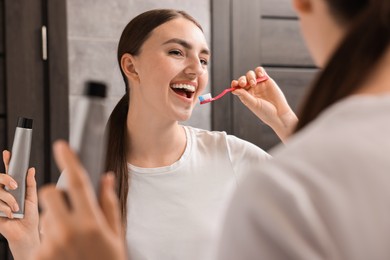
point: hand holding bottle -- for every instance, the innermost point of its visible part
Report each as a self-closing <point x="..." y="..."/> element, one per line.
<point x="21" y="233"/>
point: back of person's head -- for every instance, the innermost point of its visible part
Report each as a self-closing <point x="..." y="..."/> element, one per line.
<point x="136" y="32"/>
<point x="361" y="49"/>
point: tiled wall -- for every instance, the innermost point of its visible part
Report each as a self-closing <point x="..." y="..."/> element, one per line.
<point x="94" y="28"/>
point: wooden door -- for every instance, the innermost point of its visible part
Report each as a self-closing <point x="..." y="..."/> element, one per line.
<point x="34" y="80"/>
<point x="246" y="34"/>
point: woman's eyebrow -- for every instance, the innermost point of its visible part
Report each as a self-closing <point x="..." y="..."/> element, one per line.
<point x="185" y="44"/>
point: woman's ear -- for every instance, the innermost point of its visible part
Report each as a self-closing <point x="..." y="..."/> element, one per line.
<point x="303" y="6"/>
<point x="128" y="66"/>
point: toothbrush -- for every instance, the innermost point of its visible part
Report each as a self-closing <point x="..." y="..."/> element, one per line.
<point x="206" y="98"/>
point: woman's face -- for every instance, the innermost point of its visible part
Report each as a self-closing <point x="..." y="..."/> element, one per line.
<point x="321" y="31"/>
<point x="172" y="70"/>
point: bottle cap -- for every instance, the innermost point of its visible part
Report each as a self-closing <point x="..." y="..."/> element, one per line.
<point x="95" y="89"/>
<point x="25" y="122"/>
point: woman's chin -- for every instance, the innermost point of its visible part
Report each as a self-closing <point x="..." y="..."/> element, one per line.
<point x="184" y="116"/>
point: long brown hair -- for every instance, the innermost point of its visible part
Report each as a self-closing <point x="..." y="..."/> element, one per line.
<point x="367" y="39"/>
<point x="136" y="32"/>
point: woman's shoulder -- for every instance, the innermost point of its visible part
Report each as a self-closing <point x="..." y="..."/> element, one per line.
<point x="215" y="136"/>
<point x="220" y="139"/>
<point x="206" y="134"/>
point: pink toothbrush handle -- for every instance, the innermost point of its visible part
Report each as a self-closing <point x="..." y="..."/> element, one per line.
<point x="258" y="80"/>
<point x="223" y="93"/>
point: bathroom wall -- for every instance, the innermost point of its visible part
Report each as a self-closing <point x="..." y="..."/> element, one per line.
<point x="94" y="28"/>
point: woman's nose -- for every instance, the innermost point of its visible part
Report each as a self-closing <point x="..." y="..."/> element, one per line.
<point x="194" y="67"/>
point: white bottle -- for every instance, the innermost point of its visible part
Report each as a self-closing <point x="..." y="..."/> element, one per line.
<point x="87" y="134"/>
<point x="19" y="163"/>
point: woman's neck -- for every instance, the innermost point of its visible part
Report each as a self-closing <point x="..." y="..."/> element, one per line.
<point x="379" y="82"/>
<point x="152" y="142"/>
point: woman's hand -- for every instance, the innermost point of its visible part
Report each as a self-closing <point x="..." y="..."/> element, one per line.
<point x="266" y="101"/>
<point x="76" y="227"/>
<point x="22" y="234"/>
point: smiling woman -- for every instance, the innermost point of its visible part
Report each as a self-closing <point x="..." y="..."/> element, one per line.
<point x="172" y="180"/>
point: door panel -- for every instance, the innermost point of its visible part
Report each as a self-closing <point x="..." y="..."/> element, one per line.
<point x="277" y="8"/>
<point x="221" y="65"/>
<point x="2" y="85"/>
<point x="294" y="83"/>
<point x="25" y="74"/>
<point x="33" y="87"/>
<point x="282" y="44"/>
<point x="2" y="142"/>
<point x="265" y="33"/>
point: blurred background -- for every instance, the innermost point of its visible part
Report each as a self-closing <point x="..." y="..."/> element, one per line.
<point x="50" y="48"/>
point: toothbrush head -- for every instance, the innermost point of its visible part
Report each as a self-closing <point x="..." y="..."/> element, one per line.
<point x="206" y="98"/>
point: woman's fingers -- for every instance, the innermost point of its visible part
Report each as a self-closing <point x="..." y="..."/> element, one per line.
<point x="6" y="209"/>
<point x="109" y="203"/>
<point x="31" y="186"/>
<point x="8" y="181"/>
<point x="6" y="158"/>
<point x="85" y="230"/>
<point x="8" y="199"/>
<point x="260" y="72"/>
<point x="79" y="189"/>
<point x="242" y="82"/>
<point x="251" y="78"/>
<point x="55" y="210"/>
<point x="254" y="104"/>
<point x="50" y="248"/>
<point x="234" y="83"/>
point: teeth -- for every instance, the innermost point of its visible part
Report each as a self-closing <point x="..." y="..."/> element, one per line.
<point x="186" y="87"/>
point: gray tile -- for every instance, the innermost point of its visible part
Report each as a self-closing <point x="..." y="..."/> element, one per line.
<point x="94" y="60"/>
<point x="94" y="28"/>
<point x="97" y="18"/>
<point x="200" y="10"/>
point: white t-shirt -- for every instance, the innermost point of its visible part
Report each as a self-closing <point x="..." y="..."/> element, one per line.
<point x="174" y="212"/>
<point x="326" y="195"/>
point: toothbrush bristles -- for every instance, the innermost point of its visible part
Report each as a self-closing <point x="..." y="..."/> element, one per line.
<point x="205" y="97"/>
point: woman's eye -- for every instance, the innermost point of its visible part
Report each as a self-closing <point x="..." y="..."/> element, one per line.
<point x="204" y="62"/>
<point x="176" y="52"/>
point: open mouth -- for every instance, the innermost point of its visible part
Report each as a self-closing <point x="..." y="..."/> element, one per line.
<point x="183" y="90"/>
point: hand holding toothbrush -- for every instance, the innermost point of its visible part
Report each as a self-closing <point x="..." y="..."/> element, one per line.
<point x="266" y="101"/>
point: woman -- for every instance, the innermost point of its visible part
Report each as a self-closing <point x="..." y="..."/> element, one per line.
<point x="179" y="176"/>
<point x="173" y="180"/>
<point x="326" y="194"/>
